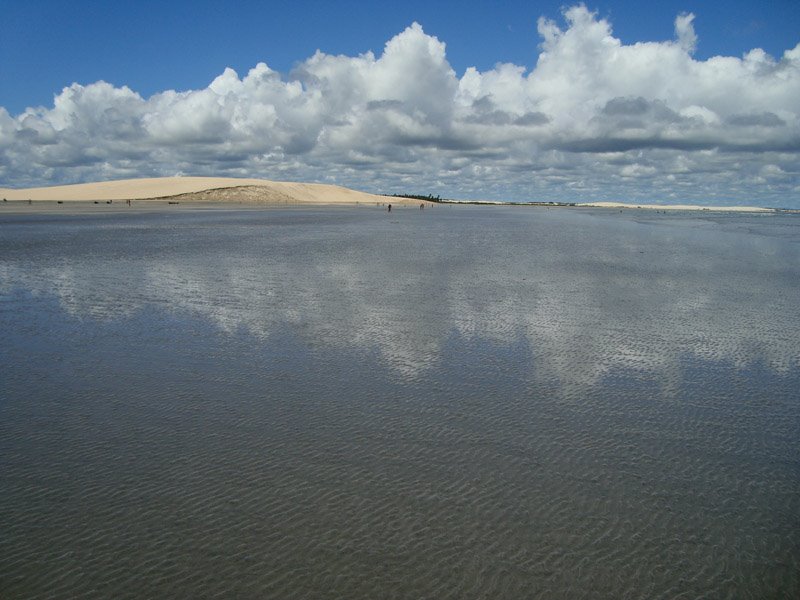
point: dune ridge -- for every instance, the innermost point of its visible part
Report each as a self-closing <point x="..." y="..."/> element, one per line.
<point x="199" y="189"/>
<point x="676" y="207"/>
<point x="258" y="191"/>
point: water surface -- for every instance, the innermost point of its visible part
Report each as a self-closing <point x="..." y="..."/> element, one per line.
<point x="461" y="402"/>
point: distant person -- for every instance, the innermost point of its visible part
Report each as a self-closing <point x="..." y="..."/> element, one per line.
<point x="422" y="206"/>
<point x="390" y="208"/>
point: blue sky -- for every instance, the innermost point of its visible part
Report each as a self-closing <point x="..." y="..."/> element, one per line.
<point x="152" y="46"/>
<point x="153" y="49"/>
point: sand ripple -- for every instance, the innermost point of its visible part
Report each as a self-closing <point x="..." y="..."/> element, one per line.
<point x="150" y="452"/>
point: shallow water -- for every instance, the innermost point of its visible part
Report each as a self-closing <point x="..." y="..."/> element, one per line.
<point x="461" y="402"/>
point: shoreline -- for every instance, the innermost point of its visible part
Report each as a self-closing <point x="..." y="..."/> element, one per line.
<point x="168" y="204"/>
<point x="221" y="192"/>
<point x="80" y="207"/>
<point x="681" y="207"/>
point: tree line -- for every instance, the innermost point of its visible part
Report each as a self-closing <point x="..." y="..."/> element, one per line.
<point x="428" y="198"/>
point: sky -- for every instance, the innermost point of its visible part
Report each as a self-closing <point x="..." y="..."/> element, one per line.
<point x="671" y="102"/>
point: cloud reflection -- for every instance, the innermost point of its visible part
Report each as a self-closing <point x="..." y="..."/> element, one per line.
<point x="589" y="295"/>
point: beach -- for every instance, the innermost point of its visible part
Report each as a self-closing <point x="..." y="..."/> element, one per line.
<point x="206" y="192"/>
<point x="684" y="207"/>
<point x="311" y="401"/>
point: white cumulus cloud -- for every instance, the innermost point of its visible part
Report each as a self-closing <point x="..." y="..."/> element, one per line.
<point x="684" y="31"/>
<point x="591" y="119"/>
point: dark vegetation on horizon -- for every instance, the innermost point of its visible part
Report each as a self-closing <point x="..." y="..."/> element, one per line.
<point x="437" y="198"/>
<point x="428" y="198"/>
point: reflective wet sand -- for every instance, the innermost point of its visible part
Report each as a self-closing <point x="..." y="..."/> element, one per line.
<point x="451" y="403"/>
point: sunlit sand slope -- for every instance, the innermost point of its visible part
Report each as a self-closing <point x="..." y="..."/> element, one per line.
<point x="198" y="189"/>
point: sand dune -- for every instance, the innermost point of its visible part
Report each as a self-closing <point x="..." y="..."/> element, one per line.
<point x="200" y="189"/>
<point x="254" y="191"/>
<point x="676" y="207"/>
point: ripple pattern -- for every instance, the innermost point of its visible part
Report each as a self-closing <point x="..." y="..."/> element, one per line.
<point x="149" y="449"/>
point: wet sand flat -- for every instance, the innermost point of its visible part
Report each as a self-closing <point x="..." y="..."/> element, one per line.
<point x="461" y="402"/>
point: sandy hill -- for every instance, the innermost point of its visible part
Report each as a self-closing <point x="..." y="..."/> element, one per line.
<point x="666" y="207"/>
<point x="200" y="189"/>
